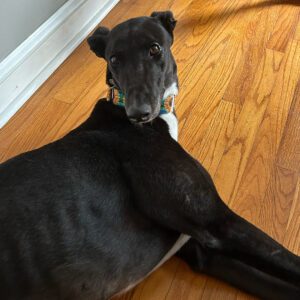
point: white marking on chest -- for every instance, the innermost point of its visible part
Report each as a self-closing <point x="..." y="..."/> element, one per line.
<point x="172" y="122"/>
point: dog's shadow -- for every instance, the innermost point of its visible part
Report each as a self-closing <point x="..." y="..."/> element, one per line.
<point x="217" y="16"/>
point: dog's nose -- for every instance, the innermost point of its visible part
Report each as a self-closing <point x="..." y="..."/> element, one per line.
<point x="139" y="114"/>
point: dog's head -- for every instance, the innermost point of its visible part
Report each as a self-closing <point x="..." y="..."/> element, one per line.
<point x="139" y="61"/>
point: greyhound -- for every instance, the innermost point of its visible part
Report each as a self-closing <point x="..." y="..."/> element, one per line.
<point x="92" y="214"/>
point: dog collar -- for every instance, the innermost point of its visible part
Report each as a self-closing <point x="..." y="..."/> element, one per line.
<point x="118" y="98"/>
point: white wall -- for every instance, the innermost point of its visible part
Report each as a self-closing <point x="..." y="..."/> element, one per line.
<point x="20" y="18"/>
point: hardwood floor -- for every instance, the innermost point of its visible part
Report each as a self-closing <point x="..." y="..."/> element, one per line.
<point x="239" y="112"/>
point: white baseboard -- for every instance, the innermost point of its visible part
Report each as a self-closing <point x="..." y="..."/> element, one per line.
<point x="28" y="66"/>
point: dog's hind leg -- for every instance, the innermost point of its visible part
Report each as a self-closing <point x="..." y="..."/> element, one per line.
<point x="189" y="203"/>
<point x="242" y="241"/>
<point x="237" y="273"/>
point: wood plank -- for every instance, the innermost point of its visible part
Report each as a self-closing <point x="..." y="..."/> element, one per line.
<point x="77" y="83"/>
<point x="186" y="285"/>
<point x="289" y="152"/>
<point x="285" y="27"/>
<point x="35" y="134"/>
<point x="198" y="106"/>
<point x="2" y="154"/>
<point x="215" y="290"/>
<point x="274" y="209"/>
<point x="209" y="149"/>
<point x="242" y="296"/>
<point x="297" y="32"/>
<point x="217" y="22"/>
<point x="254" y="44"/>
<point x="260" y="173"/>
<point x="234" y="160"/>
<point x="292" y="240"/>
<point x="79" y="111"/>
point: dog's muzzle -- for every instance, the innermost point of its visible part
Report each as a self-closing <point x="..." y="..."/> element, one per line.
<point x="141" y="115"/>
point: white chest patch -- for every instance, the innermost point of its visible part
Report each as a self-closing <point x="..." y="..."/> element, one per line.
<point x="172" y="122"/>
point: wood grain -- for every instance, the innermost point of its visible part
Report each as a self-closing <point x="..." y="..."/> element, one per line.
<point x="238" y="107"/>
<point x="284" y="28"/>
<point x="275" y="207"/>
<point x="260" y="173"/>
<point x="293" y="226"/>
<point x="209" y="149"/>
<point x="289" y="152"/>
<point x="180" y="287"/>
<point x="234" y="160"/>
<point x="255" y="39"/>
<point x="297" y="32"/>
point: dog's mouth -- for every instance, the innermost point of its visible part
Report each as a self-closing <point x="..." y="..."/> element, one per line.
<point x="141" y="122"/>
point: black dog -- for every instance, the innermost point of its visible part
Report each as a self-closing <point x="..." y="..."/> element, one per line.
<point x="92" y="214"/>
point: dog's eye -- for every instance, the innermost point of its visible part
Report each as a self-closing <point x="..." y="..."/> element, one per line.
<point x="113" y="59"/>
<point x="154" y="49"/>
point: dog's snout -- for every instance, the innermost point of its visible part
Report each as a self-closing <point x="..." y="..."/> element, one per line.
<point x="139" y="114"/>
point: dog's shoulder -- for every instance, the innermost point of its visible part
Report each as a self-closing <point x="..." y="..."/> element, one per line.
<point x="104" y="116"/>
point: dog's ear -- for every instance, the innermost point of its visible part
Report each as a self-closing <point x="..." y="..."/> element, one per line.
<point x="167" y="19"/>
<point x="98" y="41"/>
